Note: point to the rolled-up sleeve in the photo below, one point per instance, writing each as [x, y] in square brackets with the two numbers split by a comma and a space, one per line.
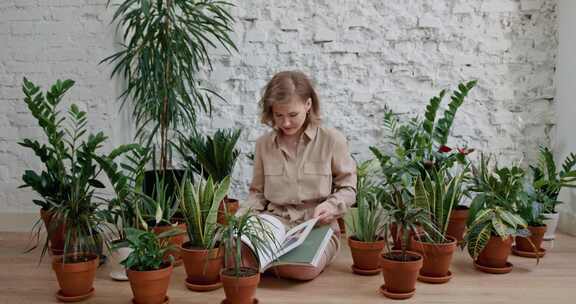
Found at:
[343, 177]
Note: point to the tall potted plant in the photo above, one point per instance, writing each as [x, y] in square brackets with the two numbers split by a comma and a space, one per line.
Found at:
[202, 255]
[69, 157]
[548, 182]
[366, 223]
[213, 156]
[148, 270]
[166, 44]
[438, 196]
[493, 218]
[239, 280]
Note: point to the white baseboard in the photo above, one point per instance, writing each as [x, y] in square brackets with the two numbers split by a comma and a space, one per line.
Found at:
[18, 222]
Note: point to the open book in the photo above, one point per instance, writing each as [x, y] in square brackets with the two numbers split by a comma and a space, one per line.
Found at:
[301, 245]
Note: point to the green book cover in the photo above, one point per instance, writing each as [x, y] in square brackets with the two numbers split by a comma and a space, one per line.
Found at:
[309, 249]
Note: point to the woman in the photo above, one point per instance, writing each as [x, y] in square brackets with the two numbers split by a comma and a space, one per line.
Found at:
[301, 169]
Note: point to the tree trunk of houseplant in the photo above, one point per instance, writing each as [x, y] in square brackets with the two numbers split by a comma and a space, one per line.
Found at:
[366, 256]
[531, 247]
[55, 232]
[552, 223]
[399, 275]
[150, 287]
[242, 289]
[494, 257]
[76, 276]
[457, 223]
[437, 259]
[176, 240]
[203, 267]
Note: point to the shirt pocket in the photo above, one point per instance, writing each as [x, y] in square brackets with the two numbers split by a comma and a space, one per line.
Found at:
[274, 182]
[316, 180]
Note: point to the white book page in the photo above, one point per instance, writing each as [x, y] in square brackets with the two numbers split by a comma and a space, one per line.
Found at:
[296, 236]
[274, 228]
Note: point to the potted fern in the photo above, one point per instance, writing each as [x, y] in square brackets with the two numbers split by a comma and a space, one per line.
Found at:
[166, 45]
[202, 255]
[437, 195]
[148, 270]
[494, 221]
[366, 224]
[548, 182]
[213, 156]
[240, 280]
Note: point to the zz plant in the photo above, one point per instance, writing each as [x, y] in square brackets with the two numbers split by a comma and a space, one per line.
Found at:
[148, 249]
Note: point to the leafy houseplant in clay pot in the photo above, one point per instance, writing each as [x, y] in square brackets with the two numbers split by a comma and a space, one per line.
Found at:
[438, 196]
[213, 156]
[148, 270]
[366, 224]
[240, 280]
[493, 219]
[531, 211]
[126, 179]
[202, 255]
[548, 182]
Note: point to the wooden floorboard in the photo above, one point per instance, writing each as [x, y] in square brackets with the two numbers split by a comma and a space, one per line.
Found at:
[23, 281]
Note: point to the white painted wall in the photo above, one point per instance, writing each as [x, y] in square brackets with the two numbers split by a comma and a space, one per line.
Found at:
[564, 140]
[361, 54]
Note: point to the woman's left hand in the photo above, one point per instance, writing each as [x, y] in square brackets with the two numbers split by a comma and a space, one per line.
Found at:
[325, 213]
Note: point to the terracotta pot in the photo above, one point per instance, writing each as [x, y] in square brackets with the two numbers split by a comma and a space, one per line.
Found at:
[75, 279]
[240, 290]
[202, 266]
[176, 240]
[496, 252]
[457, 223]
[400, 276]
[536, 237]
[366, 255]
[150, 287]
[56, 233]
[232, 205]
[552, 223]
[437, 257]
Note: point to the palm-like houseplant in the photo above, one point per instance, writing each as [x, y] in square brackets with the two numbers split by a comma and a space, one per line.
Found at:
[71, 175]
[548, 182]
[213, 156]
[148, 270]
[167, 43]
[202, 255]
[494, 220]
[366, 223]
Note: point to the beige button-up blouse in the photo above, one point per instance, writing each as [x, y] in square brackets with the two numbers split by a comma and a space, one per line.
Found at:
[291, 186]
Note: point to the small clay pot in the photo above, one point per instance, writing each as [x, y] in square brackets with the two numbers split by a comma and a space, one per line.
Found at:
[202, 267]
[76, 276]
[457, 223]
[536, 237]
[242, 289]
[176, 240]
[232, 205]
[56, 232]
[150, 287]
[496, 252]
[366, 255]
[437, 259]
[400, 276]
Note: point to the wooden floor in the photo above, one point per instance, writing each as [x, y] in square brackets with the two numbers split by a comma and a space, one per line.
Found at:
[23, 281]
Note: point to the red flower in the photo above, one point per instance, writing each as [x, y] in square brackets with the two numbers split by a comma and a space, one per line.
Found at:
[465, 151]
[444, 149]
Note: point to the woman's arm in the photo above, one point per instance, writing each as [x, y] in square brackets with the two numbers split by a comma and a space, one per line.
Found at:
[343, 183]
[256, 199]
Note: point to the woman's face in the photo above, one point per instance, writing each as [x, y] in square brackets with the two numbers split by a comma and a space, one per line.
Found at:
[289, 117]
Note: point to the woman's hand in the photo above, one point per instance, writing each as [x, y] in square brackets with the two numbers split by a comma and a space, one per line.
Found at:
[325, 212]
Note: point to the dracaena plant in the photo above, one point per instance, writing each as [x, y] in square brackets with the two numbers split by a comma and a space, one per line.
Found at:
[148, 249]
[166, 44]
[493, 211]
[68, 182]
[199, 204]
[439, 195]
[157, 209]
[548, 181]
[213, 156]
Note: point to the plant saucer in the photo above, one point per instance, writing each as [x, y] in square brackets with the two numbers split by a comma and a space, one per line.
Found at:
[225, 301]
[202, 287]
[395, 296]
[494, 270]
[529, 254]
[435, 280]
[366, 272]
[166, 300]
[64, 298]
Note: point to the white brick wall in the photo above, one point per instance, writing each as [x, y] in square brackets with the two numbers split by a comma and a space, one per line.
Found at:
[361, 54]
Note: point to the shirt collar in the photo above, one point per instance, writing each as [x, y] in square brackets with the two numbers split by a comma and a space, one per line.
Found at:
[309, 132]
